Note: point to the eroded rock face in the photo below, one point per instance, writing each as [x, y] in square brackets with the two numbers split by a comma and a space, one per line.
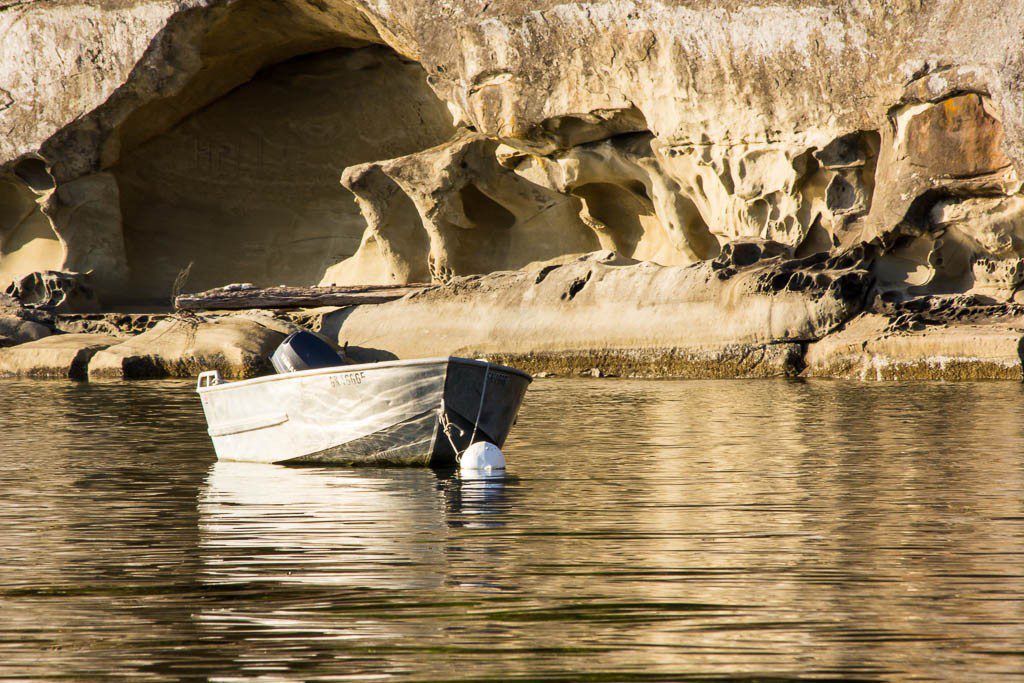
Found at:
[453, 210]
[54, 291]
[478, 137]
[247, 188]
[153, 138]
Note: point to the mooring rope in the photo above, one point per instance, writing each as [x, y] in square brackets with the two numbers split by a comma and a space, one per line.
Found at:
[480, 409]
[447, 425]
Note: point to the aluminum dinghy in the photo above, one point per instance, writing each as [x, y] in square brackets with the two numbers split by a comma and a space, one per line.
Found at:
[414, 412]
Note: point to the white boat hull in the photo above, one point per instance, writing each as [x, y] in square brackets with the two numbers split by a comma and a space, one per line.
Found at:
[380, 413]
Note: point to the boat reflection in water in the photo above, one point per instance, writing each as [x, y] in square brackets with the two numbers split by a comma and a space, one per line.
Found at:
[477, 499]
[371, 528]
[343, 555]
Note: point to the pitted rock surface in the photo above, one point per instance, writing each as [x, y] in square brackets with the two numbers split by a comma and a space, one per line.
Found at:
[160, 144]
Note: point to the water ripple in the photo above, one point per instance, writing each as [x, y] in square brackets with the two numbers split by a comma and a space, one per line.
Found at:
[664, 531]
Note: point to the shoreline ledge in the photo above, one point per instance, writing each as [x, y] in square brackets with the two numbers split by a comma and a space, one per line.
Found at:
[714, 319]
[717, 319]
[868, 349]
[598, 314]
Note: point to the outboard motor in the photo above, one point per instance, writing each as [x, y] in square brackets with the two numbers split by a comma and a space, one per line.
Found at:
[304, 350]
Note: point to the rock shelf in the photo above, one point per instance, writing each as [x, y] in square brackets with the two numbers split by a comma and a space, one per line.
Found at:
[751, 312]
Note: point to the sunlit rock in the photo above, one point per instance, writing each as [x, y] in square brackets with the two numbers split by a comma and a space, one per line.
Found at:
[158, 145]
[61, 356]
[730, 317]
[868, 348]
[238, 347]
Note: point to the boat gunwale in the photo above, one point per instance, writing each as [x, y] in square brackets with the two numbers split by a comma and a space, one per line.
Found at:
[362, 367]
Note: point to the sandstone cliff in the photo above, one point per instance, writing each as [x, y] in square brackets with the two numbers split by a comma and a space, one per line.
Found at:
[363, 141]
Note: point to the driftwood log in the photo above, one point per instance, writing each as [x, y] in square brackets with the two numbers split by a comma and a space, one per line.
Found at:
[237, 298]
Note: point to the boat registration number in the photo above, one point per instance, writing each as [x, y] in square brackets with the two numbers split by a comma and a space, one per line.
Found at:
[347, 379]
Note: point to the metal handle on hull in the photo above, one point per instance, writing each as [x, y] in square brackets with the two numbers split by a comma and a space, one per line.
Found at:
[447, 427]
[211, 378]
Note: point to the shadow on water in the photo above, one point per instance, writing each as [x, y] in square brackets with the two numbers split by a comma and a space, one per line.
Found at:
[645, 531]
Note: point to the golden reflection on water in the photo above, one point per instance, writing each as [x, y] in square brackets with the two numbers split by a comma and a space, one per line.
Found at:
[644, 530]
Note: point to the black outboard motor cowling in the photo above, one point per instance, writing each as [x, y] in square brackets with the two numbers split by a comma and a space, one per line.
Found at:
[304, 350]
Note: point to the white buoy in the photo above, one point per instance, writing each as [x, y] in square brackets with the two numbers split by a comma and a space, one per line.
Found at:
[482, 457]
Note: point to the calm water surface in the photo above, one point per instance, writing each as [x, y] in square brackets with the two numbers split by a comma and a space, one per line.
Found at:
[646, 531]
